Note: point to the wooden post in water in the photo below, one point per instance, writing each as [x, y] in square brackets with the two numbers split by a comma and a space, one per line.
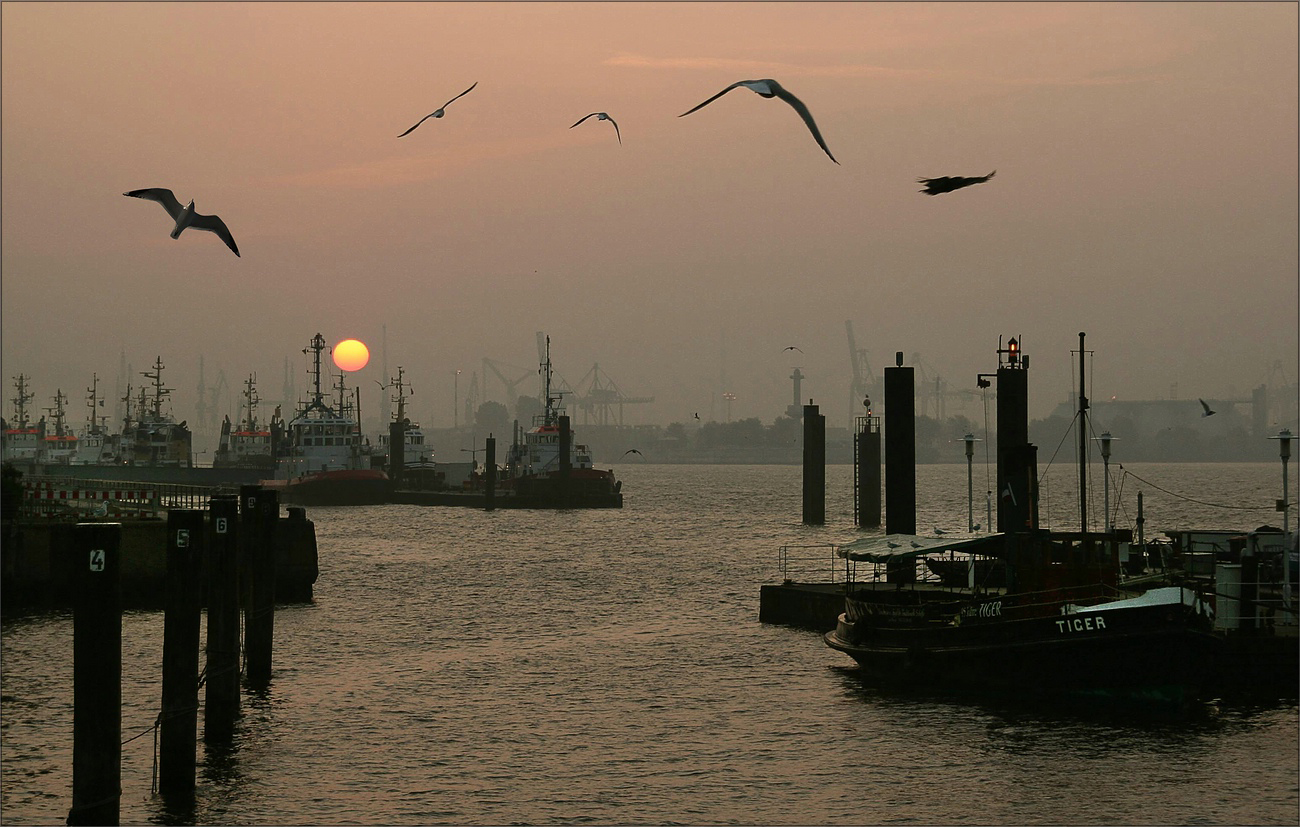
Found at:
[221, 705]
[490, 475]
[866, 443]
[180, 678]
[96, 675]
[900, 449]
[566, 459]
[259, 617]
[814, 466]
[396, 452]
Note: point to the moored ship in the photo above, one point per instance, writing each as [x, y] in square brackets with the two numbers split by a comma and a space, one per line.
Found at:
[323, 460]
[246, 444]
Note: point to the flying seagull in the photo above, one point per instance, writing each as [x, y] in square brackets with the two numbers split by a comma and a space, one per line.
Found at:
[769, 88]
[437, 113]
[186, 216]
[697, 416]
[633, 451]
[791, 347]
[938, 186]
[601, 116]
[1205, 409]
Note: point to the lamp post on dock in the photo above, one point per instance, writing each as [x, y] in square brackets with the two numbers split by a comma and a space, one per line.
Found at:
[1105, 440]
[1284, 505]
[455, 402]
[970, 440]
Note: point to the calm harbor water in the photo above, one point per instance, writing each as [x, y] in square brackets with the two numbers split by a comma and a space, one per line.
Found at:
[608, 667]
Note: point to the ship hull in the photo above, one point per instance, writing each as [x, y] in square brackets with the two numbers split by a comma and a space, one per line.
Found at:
[359, 487]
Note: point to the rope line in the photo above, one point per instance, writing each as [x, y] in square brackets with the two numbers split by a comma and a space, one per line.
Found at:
[1191, 499]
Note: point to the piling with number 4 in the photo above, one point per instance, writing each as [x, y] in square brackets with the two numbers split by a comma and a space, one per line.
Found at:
[96, 675]
[221, 700]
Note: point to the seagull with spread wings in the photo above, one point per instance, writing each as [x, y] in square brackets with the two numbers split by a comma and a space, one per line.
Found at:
[948, 183]
[185, 217]
[769, 88]
[1205, 408]
[602, 116]
[437, 113]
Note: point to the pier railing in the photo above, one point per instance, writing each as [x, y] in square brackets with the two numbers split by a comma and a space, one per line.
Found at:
[813, 564]
[45, 496]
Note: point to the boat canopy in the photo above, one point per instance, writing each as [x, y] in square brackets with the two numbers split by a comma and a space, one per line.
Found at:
[902, 546]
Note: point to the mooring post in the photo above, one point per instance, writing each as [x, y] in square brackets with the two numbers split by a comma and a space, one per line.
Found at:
[180, 679]
[867, 471]
[396, 452]
[900, 449]
[814, 466]
[490, 475]
[248, 498]
[221, 705]
[96, 675]
[259, 618]
[566, 459]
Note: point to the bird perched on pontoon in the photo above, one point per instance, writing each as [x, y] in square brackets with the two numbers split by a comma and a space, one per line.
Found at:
[185, 217]
[768, 88]
[437, 113]
[602, 116]
[948, 183]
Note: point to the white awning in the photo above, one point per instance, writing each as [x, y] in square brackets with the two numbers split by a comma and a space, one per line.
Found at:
[901, 546]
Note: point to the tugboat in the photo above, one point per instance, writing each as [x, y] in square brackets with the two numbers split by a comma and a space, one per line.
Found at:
[156, 439]
[418, 470]
[1060, 624]
[324, 461]
[545, 463]
[22, 437]
[95, 445]
[58, 447]
[248, 444]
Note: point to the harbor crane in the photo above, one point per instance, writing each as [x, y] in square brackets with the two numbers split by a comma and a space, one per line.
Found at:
[599, 397]
[863, 383]
[498, 368]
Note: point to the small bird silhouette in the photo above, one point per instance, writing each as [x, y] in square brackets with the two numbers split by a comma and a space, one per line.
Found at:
[437, 113]
[697, 416]
[768, 88]
[602, 116]
[186, 217]
[1205, 408]
[792, 347]
[915, 544]
[633, 451]
[892, 544]
[938, 530]
[938, 186]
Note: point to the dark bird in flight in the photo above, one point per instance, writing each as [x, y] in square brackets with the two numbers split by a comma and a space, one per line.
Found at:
[633, 451]
[437, 113]
[938, 186]
[769, 88]
[697, 416]
[791, 347]
[1205, 409]
[601, 116]
[186, 216]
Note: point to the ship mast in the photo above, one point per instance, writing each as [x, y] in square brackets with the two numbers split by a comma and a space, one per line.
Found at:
[251, 400]
[158, 390]
[1083, 445]
[20, 401]
[317, 396]
[58, 412]
[401, 395]
[92, 401]
[551, 416]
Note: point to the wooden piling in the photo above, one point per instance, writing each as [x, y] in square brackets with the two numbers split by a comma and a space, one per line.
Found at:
[900, 450]
[221, 701]
[814, 466]
[566, 458]
[490, 475]
[396, 452]
[96, 675]
[182, 615]
[259, 618]
[866, 445]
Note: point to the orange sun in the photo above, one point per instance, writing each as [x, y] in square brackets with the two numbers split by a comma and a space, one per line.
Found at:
[351, 354]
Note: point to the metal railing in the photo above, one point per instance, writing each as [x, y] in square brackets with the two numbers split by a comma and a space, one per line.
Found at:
[47, 496]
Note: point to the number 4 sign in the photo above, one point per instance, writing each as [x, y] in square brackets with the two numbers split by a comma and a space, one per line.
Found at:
[97, 559]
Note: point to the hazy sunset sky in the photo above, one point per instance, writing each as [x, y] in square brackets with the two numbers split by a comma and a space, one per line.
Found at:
[1146, 193]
